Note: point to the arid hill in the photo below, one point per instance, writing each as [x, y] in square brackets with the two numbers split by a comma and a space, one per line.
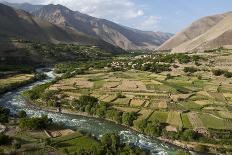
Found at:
[207, 33]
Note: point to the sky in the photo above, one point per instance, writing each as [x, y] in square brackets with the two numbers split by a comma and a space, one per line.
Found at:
[150, 15]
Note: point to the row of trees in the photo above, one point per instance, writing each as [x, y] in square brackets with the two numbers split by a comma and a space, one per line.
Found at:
[110, 144]
[93, 106]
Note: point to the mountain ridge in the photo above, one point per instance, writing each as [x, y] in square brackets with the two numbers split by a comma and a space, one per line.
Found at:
[201, 35]
[117, 35]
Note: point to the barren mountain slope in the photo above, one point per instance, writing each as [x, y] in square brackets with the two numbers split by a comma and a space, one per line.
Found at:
[217, 36]
[108, 31]
[196, 29]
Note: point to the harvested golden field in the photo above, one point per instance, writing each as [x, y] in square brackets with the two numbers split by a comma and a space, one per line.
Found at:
[162, 105]
[174, 118]
[111, 85]
[72, 84]
[122, 101]
[204, 102]
[132, 86]
[15, 79]
[225, 114]
[110, 98]
[195, 120]
[126, 109]
[136, 102]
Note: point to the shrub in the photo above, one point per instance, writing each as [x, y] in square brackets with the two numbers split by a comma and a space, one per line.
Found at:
[190, 69]
[218, 72]
[128, 118]
[4, 115]
[22, 114]
[228, 74]
[4, 140]
[37, 123]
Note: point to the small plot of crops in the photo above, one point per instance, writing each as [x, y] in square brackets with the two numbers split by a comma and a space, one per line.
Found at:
[159, 116]
[74, 143]
[218, 96]
[126, 109]
[203, 102]
[111, 85]
[214, 122]
[158, 104]
[15, 79]
[71, 84]
[160, 88]
[195, 120]
[191, 106]
[158, 77]
[154, 104]
[225, 114]
[215, 108]
[185, 120]
[143, 114]
[131, 86]
[110, 98]
[122, 101]
[162, 105]
[136, 102]
[174, 118]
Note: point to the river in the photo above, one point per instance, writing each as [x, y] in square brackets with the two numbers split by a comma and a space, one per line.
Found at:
[15, 102]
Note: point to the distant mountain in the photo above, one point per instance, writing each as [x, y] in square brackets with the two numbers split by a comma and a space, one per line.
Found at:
[204, 34]
[108, 31]
[23, 6]
[22, 25]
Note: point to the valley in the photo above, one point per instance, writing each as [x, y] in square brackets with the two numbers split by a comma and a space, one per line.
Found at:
[183, 98]
[75, 83]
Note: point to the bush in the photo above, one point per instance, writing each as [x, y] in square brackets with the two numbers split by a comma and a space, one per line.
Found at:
[22, 114]
[189, 135]
[4, 140]
[38, 123]
[128, 118]
[181, 152]
[4, 115]
[228, 74]
[190, 69]
[16, 145]
[218, 72]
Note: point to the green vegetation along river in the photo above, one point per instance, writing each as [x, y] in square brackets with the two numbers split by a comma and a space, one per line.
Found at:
[15, 102]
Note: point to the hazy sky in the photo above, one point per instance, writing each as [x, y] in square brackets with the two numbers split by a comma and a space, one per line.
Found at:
[154, 15]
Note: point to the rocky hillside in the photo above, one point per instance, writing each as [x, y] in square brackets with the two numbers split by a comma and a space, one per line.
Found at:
[108, 31]
[207, 33]
[20, 24]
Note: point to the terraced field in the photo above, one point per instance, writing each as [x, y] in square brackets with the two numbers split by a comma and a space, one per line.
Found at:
[177, 99]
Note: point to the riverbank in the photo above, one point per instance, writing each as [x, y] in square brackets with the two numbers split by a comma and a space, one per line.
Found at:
[179, 144]
[13, 82]
[188, 146]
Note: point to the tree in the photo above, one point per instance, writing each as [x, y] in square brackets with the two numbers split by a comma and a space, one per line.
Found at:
[101, 110]
[4, 140]
[4, 115]
[181, 152]
[22, 114]
[128, 118]
[141, 125]
[152, 130]
[189, 135]
[218, 72]
[190, 69]
[88, 100]
[228, 74]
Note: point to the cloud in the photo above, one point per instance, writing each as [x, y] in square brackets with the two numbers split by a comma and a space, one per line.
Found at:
[149, 23]
[117, 10]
